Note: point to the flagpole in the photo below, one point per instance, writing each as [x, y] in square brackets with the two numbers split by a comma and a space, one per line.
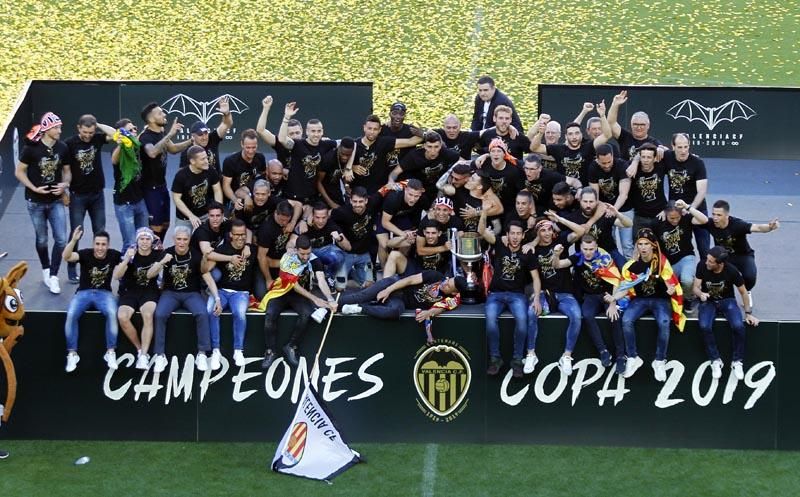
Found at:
[322, 343]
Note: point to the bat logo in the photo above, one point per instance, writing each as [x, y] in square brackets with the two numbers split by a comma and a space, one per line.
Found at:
[185, 105]
[711, 116]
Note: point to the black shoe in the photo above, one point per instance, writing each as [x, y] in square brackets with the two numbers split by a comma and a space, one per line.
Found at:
[605, 358]
[73, 278]
[4, 454]
[269, 358]
[495, 363]
[621, 364]
[290, 354]
[516, 368]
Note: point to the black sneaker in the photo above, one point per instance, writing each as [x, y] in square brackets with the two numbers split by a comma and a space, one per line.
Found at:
[516, 368]
[73, 278]
[4, 454]
[621, 364]
[495, 363]
[605, 358]
[290, 354]
[269, 358]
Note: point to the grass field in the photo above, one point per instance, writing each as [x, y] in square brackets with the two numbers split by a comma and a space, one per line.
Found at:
[217, 469]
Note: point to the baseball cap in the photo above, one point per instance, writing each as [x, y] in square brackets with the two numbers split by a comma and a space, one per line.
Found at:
[199, 128]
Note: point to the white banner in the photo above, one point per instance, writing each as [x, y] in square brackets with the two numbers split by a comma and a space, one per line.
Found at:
[312, 446]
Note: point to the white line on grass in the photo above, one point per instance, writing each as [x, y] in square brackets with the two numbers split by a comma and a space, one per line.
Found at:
[429, 470]
[475, 38]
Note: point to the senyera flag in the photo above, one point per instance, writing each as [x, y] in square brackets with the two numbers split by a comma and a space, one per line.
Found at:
[312, 447]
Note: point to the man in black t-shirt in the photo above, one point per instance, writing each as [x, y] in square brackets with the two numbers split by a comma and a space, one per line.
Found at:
[263, 205]
[129, 206]
[631, 140]
[647, 188]
[88, 180]
[370, 167]
[274, 235]
[539, 182]
[239, 170]
[425, 164]
[507, 290]
[212, 232]
[503, 170]
[182, 270]
[399, 218]
[138, 292]
[327, 241]
[607, 175]
[283, 150]
[357, 220]
[713, 286]
[455, 139]
[335, 171]
[432, 252]
[203, 136]
[600, 226]
[156, 142]
[194, 188]
[396, 128]
[517, 144]
[44, 170]
[297, 270]
[94, 291]
[731, 233]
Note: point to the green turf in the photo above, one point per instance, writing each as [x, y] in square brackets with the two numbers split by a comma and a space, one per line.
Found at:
[45, 468]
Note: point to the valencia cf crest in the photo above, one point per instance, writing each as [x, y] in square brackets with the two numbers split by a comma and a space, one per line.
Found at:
[442, 377]
[296, 445]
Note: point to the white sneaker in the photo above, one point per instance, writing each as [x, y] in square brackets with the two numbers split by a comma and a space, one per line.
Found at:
[54, 286]
[660, 370]
[530, 363]
[351, 309]
[738, 370]
[238, 357]
[46, 277]
[143, 361]
[632, 365]
[201, 361]
[72, 362]
[750, 296]
[716, 369]
[160, 364]
[215, 358]
[565, 365]
[111, 359]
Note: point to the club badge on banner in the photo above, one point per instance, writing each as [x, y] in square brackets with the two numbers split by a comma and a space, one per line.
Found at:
[312, 447]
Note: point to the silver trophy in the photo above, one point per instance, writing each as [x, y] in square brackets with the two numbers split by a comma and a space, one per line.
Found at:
[467, 249]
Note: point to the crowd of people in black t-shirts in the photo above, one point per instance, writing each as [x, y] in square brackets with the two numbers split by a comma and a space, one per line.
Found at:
[608, 221]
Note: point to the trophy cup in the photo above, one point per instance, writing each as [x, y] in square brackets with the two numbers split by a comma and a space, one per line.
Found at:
[467, 249]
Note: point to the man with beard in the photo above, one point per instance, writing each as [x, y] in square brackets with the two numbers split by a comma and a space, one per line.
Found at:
[425, 164]
[239, 170]
[593, 268]
[516, 143]
[539, 182]
[480, 197]
[211, 232]
[506, 177]
[203, 137]
[182, 269]
[264, 204]
[327, 241]
[713, 286]
[129, 206]
[44, 170]
[486, 102]
[507, 290]
[357, 220]
[370, 165]
[193, 188]
[631, 140]
[576, 153]
[276, 178]
[153, 155]
[401, 212]
[455, 139]
[600, 227]
[432, 253]
[86, 187]
[274, 234]
[396, 128]
[594, 126]
[647, 188]
[306, 157]
[688, 182]
[335, 170]
[564, 199]
[294, 133]
[607, 176]
[94, 290]
[453, 182]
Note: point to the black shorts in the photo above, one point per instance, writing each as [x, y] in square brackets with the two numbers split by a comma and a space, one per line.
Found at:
[137, 298]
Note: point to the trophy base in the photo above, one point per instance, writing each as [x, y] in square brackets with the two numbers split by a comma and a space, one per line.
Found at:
[473, 295]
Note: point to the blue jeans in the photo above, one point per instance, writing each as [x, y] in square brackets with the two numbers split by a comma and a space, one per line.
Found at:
[626, 237]
[663, 314]
[702, 238]
[361, 264]
[130, 217]
[42, 213]
[591, 307]
[237, 302]
[332, 258]
[191, 301]
[79, 205]
[706, 313]
[391, 309]
[102, 300]
[517, 303]
[684, 268]
[568, 306]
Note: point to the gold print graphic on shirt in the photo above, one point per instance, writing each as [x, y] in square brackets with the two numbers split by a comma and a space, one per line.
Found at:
[427, 293]
[98, 275]
[715, 290]
[235, 272]
[180, 276]
[591, 280]
[546, 268]
[47, 168]
[368, 160]
[510, 266]
[672, 240]
[245, 177]
[85, 160]
[392, 159]
[280, 241]
[498, 184]
[676, 180]
[199, 194]
[726, 241]
[141, 275]
[648, 186]
[310, 165]
[572, 166]
[548, 162]
[360, 226]
[535, 189]
[647, 287]
[608, 188]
